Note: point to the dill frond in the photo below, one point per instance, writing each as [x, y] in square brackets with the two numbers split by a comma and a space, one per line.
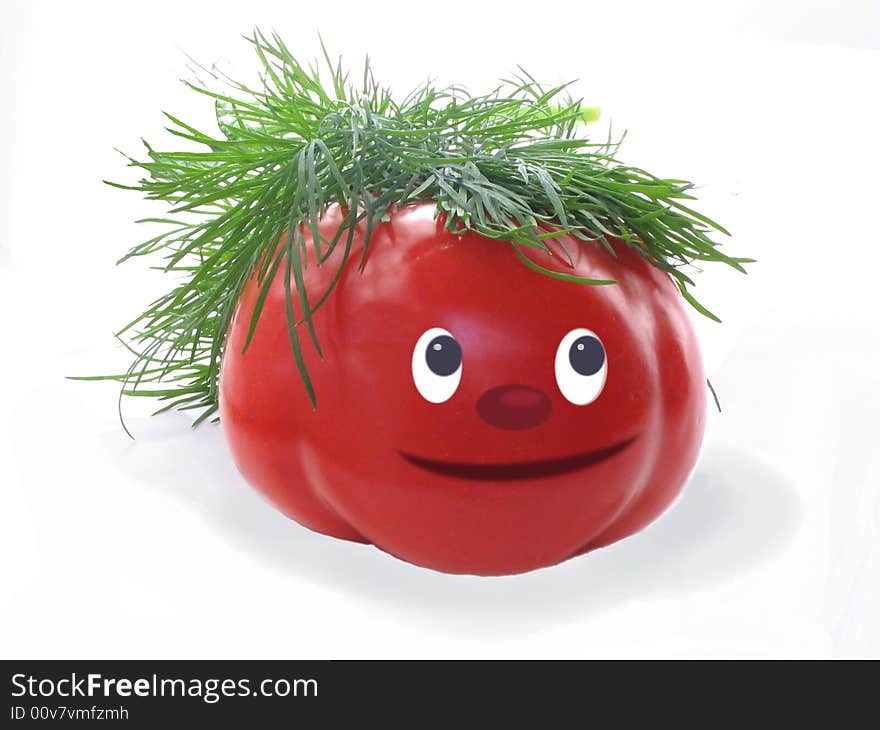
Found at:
[510, 164]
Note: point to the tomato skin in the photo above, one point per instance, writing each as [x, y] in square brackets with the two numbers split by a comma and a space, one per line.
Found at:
[340, 469]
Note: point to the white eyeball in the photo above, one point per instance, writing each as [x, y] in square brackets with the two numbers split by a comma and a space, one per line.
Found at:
[581, 366]
[436, 365]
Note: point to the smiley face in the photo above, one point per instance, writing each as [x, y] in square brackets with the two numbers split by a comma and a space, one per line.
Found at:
[473, 415]
[580, 368]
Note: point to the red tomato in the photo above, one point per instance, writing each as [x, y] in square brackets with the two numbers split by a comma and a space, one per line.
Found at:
[473, 416]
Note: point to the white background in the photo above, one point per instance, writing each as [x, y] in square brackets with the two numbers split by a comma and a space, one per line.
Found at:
[157, 548]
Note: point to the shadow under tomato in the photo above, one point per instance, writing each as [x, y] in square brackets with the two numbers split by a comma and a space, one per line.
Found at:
[734, 513]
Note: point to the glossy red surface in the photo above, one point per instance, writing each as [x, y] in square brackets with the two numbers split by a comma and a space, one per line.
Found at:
[505, 476]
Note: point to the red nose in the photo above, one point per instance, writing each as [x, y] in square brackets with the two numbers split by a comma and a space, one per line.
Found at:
[514, 407]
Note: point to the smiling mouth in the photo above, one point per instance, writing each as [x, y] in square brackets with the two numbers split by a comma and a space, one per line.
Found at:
[510, 471]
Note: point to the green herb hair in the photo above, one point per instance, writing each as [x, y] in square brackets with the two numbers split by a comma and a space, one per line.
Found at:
[510, 164]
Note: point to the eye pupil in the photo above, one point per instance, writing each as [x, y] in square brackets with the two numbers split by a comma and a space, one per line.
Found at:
[443, 355]
[587, 355]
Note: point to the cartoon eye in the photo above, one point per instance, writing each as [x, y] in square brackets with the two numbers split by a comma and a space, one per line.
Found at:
[436, 365]
[581, 367]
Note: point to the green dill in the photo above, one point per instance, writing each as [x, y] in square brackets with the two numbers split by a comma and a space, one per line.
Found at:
[510, 164]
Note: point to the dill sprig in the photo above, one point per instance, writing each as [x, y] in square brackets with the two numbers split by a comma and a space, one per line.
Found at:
[511, 164]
